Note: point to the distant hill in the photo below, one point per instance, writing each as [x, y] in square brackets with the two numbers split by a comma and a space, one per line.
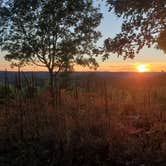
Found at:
[44, 75]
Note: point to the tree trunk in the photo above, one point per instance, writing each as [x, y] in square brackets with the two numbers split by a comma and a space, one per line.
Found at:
[51, 87]
[51, 80]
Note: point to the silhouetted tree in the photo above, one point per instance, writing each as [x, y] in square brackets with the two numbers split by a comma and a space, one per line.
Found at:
[55, 34]
[144, 24]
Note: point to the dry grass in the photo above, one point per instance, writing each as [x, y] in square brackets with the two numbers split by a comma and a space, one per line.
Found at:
[104, 125]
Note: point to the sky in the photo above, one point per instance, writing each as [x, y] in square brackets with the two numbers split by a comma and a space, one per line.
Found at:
[153, 58]
[110, 25]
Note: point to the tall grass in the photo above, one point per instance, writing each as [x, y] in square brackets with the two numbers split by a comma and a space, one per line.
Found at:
[95, 122]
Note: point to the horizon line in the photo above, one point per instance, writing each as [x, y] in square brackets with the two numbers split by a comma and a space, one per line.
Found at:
[162, 71]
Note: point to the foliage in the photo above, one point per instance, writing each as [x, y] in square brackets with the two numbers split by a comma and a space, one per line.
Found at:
[50, 33]
[81, 132]
[6, 93]
[144, 24]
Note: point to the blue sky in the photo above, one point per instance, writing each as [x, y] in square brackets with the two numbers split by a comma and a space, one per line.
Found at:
[110, 26]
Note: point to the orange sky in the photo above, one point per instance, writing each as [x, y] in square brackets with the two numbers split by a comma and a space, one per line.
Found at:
[104, 66]
[154, 59]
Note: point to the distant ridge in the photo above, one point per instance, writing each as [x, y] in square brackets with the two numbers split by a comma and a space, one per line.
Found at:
[44, 75]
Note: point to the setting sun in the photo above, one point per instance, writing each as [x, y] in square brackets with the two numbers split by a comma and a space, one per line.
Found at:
[142, 68]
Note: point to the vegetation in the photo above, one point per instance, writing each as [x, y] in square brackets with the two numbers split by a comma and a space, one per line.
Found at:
[144, 24]
[94, 123]
[52, 34]
[85, 120]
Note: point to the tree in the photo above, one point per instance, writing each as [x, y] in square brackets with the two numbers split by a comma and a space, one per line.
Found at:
[55, 34]
[144, 24]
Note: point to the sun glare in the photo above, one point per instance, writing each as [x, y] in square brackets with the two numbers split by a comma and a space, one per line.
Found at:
[142, 68]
